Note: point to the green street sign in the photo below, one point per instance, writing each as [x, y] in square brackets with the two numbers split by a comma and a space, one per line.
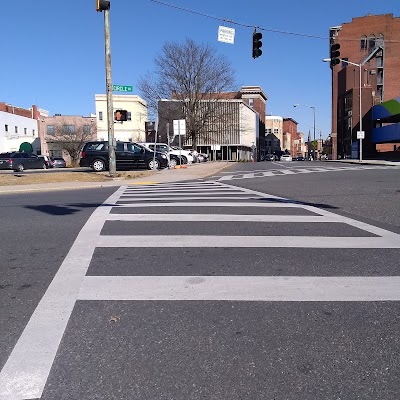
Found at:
[122, 88]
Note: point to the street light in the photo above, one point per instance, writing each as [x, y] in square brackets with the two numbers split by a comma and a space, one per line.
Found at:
[361, 133]
[313, 108]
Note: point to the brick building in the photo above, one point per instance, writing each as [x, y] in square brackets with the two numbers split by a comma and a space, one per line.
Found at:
[372, 43]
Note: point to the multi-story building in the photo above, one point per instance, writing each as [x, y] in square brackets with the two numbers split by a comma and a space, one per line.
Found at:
[273, 134]
[233, 127]
[372, 43]
[64, 135]
[17, 126]
[289, 130]
[131, 130]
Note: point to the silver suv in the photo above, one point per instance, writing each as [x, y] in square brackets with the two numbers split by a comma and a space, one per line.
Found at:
[185, 155]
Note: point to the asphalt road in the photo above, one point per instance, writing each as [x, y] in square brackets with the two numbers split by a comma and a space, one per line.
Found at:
[268, 281]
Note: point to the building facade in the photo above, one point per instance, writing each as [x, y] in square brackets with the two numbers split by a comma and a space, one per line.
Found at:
[18, 125]
[233, 124]
[372, 43]
[64, 135]
[273, 134]
[131, 130]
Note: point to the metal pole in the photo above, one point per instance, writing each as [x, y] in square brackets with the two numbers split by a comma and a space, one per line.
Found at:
[314, 136]
[360, 117]
[109, 89]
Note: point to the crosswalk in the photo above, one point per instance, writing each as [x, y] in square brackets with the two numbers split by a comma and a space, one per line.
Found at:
[181, 215]
[294, 170]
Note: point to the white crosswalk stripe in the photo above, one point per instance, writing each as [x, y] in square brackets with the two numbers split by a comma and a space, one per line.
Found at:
[294, 171]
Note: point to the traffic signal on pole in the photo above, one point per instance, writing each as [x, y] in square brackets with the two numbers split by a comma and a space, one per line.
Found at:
[335, 54]
[102, 5]
[257, 43]
[121, 115]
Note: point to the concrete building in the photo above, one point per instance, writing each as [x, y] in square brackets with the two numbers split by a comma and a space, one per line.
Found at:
[372, 43]
[233, 130]
[18, 125]
[131, 130]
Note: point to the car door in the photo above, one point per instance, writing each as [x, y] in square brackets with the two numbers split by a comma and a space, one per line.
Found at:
[138, 154]
[121, 158]
[35, 161]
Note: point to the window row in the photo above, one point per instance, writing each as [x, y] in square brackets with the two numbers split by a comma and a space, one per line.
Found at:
[66, 129]
[16, 130]
[372, 41]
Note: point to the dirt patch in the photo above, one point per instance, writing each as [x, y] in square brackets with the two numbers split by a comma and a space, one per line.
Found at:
[67, 176]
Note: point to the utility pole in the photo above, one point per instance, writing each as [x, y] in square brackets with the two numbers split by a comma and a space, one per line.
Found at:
[103, 5]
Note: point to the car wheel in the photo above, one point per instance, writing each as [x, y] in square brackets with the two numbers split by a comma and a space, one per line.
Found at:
[184, 160]
[20, 168]
[98, 165]
[153, 164]
[44, 166]
[173, 163]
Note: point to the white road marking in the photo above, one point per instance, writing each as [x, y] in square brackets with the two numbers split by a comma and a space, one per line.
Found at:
[241, 288]
[26, 371]
[313, 242]
[293, 170]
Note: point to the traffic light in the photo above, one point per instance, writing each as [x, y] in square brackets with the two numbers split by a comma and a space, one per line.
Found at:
[257, 43]
[335, 54]
[102, 5]
[121, 115]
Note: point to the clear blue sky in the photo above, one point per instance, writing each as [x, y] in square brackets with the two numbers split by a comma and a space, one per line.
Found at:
[53, 50]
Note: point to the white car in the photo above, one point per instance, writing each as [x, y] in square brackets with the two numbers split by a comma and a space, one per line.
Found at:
[286, 157]
[185, 155]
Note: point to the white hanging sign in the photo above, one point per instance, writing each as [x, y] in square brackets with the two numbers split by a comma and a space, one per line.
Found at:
[226, 35]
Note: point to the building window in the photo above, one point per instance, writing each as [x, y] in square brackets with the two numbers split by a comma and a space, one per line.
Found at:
[50, 129]
[68, 128]
[251, 103]
[33, 132]
[6, 127]
[276, 131]
[25, 131]
[363, 42]
[129, 116]
[100, 115]
[371, 41]
[379, 40]
[16, 129]
[86, 129]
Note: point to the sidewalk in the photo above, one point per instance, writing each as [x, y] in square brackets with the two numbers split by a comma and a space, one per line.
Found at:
[190, 172]
[367, 162]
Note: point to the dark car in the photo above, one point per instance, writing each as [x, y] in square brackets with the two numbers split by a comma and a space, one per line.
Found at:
[128, 155]
[58, 162]
[19, 161]
[300, 158]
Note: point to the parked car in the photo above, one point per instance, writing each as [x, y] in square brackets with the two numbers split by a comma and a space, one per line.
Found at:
[184, 155]
[58, 162]
[269, 157]
[300, 158]
[47, 160]
[128, 155]
[19, 161]
[286, 157]
[202, 157]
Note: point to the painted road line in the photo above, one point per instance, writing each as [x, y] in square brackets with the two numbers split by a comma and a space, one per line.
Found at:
[309, 242]
[222, 204]
[26, 371]
[240, 288]
[219, 218]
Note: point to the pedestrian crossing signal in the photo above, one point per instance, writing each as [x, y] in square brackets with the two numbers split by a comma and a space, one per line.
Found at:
[102, 5]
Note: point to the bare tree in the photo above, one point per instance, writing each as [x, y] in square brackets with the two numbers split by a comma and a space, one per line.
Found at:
[196, 78]
[71, 138]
